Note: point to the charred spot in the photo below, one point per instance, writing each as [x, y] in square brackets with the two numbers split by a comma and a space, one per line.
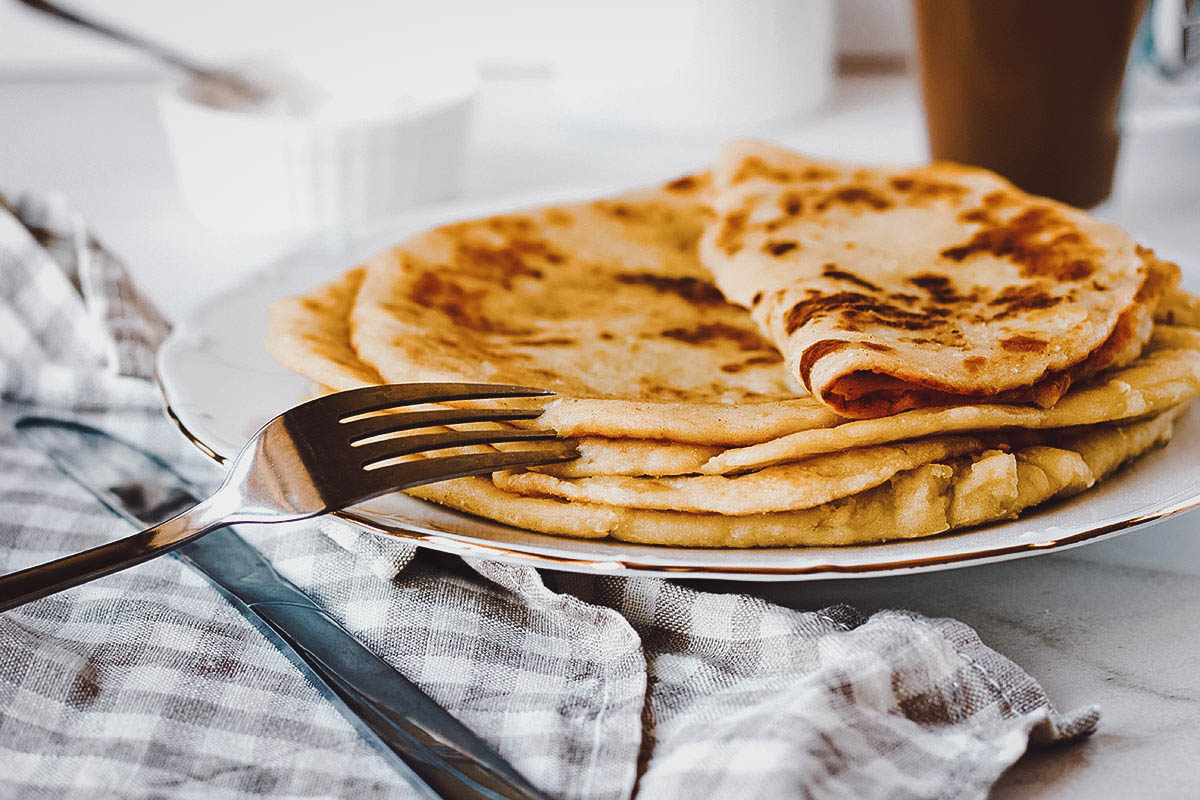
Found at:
[903, 297]
[753, 361]
[877, 347]
[463, 307]
[508, 262]
[691, 289]
[832, 272]
[755, 167]
[510, 225]
[758, 296]
[974, 363]
[779, 248]
[939, 287]
[791, 204]
[976, 215]
[996, 199]
[854, 196]
[1023, 344]
[729, 238]
[856, 307]
[744, 338]
[1013, 300]
[607, 336]
[920, 189]
[1023, 241]
[553, 341]
[817, 174]
[685, 184]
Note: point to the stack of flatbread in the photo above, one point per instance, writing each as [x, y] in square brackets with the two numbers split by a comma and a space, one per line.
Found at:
[781, 351]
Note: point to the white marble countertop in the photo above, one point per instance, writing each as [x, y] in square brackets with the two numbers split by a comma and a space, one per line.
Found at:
[1115, 623]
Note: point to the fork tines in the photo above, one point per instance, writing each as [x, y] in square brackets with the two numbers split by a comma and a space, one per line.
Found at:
[372, 448]
[371, 399]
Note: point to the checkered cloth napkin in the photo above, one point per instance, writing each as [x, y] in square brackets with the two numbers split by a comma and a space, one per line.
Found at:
[147, 684]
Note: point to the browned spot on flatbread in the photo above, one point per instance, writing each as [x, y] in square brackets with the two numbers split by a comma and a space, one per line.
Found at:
[692, 290]
[515, 259]
[559, 218]
[607, 336]
[1014, 300]
[1023, 344]
[622, 211]
[553, 341]
[463, 307]
[758, 296]
[688, 184]
[1037, 243]
[940, 288]
[974, 363]
[998, 199]
[857, 307]
[729, 237]
[791, 204]
[779, 248]
[754, 361]
[918, 189]
[976, 216]
[509, 224]
[754, 167]
[832, 272]
[854, 197]
[744, 338]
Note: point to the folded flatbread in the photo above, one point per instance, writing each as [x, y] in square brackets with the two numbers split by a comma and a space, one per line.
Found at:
[892, 289]
[604, 302]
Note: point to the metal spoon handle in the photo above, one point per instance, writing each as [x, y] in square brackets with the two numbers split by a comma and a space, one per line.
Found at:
[158, 51]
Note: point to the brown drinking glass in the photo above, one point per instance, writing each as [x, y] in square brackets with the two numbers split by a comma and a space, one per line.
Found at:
[1028, 88]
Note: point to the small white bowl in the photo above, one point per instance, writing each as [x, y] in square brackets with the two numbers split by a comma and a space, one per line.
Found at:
[340, 166]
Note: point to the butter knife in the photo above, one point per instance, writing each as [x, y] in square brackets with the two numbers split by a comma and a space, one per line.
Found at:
[437, 754]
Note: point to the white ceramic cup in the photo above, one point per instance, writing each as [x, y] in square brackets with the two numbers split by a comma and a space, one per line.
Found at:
[338, 168]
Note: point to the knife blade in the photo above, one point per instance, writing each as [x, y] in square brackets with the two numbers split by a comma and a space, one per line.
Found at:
[437, 754]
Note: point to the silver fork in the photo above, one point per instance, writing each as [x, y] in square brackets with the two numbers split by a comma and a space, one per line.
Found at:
[318, 457]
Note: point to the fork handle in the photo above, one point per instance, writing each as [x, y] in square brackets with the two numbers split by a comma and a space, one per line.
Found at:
[23, 586]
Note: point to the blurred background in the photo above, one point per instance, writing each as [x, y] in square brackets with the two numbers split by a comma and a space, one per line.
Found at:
[572, 97]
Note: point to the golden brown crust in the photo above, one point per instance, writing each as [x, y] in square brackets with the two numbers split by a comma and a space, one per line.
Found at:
[923, 286]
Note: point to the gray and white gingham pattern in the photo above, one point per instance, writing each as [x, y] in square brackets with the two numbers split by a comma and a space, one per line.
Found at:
[147, 684]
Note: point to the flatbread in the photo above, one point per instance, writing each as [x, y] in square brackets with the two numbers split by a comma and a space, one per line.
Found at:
[1166, 375]
[925, 501]
[893, 289]
[310, 334]
[605, 303]
[811, 482]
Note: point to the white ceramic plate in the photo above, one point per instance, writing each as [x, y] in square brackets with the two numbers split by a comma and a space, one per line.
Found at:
[221, 386]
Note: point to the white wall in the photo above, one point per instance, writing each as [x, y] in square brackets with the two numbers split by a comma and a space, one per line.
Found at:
[516, 32]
